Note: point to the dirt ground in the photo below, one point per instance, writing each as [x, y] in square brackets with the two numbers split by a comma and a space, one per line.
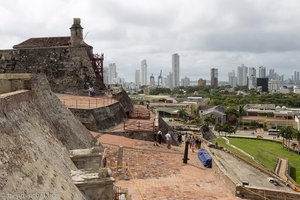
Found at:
[158, 173]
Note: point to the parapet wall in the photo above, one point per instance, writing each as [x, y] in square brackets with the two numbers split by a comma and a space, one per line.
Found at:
[101, 118]
[68, 69]
[14, 82]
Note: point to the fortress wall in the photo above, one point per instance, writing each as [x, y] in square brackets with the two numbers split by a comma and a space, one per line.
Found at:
[68, 69]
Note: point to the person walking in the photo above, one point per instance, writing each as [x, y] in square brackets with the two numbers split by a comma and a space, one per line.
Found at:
[155, 139]
[168, 139]
[159, 134]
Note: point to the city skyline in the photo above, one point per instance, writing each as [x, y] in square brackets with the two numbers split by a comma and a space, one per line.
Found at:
[206, 34]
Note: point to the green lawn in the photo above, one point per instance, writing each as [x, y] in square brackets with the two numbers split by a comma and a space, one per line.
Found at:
[267, 153]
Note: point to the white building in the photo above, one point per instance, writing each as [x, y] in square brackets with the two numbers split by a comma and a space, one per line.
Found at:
[262, 72]
[112, 73]
[175, 70]
[296, 89]
[252, 78]
[137, 77]
[275, 85]
[232, 79]
[106, 75]
[242, 72]
[169, 81]
[185, 81]
[143, 77]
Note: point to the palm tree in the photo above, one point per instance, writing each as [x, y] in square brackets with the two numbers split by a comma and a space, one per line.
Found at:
[182, 112]
[287, 133]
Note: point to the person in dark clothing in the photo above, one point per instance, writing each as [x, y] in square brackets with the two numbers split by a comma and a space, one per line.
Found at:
[159, 134]
[155, 139]
[179, 138]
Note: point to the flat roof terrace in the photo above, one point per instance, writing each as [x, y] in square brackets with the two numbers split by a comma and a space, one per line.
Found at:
[85, 102]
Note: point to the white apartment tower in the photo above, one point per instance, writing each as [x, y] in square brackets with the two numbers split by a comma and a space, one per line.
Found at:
[106, 75]
[185, 81]
[242, 75]
[143, 77]
[137, 77]
[262, 72]
[175, 70]
[252, 78]
[232, 79]
[112, 73]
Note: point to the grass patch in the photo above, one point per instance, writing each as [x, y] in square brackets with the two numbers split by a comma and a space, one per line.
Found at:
[267, 152]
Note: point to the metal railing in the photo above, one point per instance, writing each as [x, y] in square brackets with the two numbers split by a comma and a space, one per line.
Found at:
[139, 126]
[120, 193]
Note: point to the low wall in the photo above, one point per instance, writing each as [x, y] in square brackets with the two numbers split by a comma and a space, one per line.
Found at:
[124, 100]
[146, 136]
[14, 82]
[100, 118]
[256, 193]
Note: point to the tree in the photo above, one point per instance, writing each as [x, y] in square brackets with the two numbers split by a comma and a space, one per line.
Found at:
[182, 112]
[287, 133]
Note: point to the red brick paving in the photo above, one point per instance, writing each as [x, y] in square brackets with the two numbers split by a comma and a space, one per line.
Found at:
[158, 172]
[136, 124]
[85, 102]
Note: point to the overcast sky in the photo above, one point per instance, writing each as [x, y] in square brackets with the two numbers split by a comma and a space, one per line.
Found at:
[205, 33]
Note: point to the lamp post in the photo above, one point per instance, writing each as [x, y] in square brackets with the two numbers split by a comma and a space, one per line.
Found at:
[186, 151]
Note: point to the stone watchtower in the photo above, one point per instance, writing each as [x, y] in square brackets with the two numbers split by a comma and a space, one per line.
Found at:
[76, 33]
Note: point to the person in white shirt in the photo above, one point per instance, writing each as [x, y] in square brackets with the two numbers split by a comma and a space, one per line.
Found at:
[168, 139]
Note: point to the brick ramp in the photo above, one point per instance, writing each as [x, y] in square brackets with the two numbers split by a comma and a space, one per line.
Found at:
[157, 173]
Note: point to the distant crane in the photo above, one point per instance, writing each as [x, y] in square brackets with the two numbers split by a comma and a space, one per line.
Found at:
[159, 79]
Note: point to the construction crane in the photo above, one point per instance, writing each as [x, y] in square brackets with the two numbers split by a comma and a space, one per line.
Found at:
[159, 79]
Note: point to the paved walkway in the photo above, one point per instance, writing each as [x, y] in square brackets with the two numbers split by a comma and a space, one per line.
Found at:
[157, 173]
[241, 171]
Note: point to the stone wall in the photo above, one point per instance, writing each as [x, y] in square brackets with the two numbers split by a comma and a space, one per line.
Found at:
[36, 131]
[125, 100]
[68, 69]
[101, 118]
[256, 193]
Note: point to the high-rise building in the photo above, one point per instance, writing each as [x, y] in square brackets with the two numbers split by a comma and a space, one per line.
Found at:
[252, 78]
[144, 72]
[272, 74]
[106, 75]
[214, 78]
[201, 82]
[112, 73]
[232, 79]
[185, 81]
[169, 81]
[152, 81]
[261, 72]
[137, 77]
[262, 84]
[296, 77]
[175, 69]
[242, 75]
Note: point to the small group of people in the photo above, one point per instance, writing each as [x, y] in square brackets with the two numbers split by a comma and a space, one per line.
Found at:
[158, 137]
[194, 142]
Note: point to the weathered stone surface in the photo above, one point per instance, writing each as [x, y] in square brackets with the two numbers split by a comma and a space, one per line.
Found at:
[35, 132]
